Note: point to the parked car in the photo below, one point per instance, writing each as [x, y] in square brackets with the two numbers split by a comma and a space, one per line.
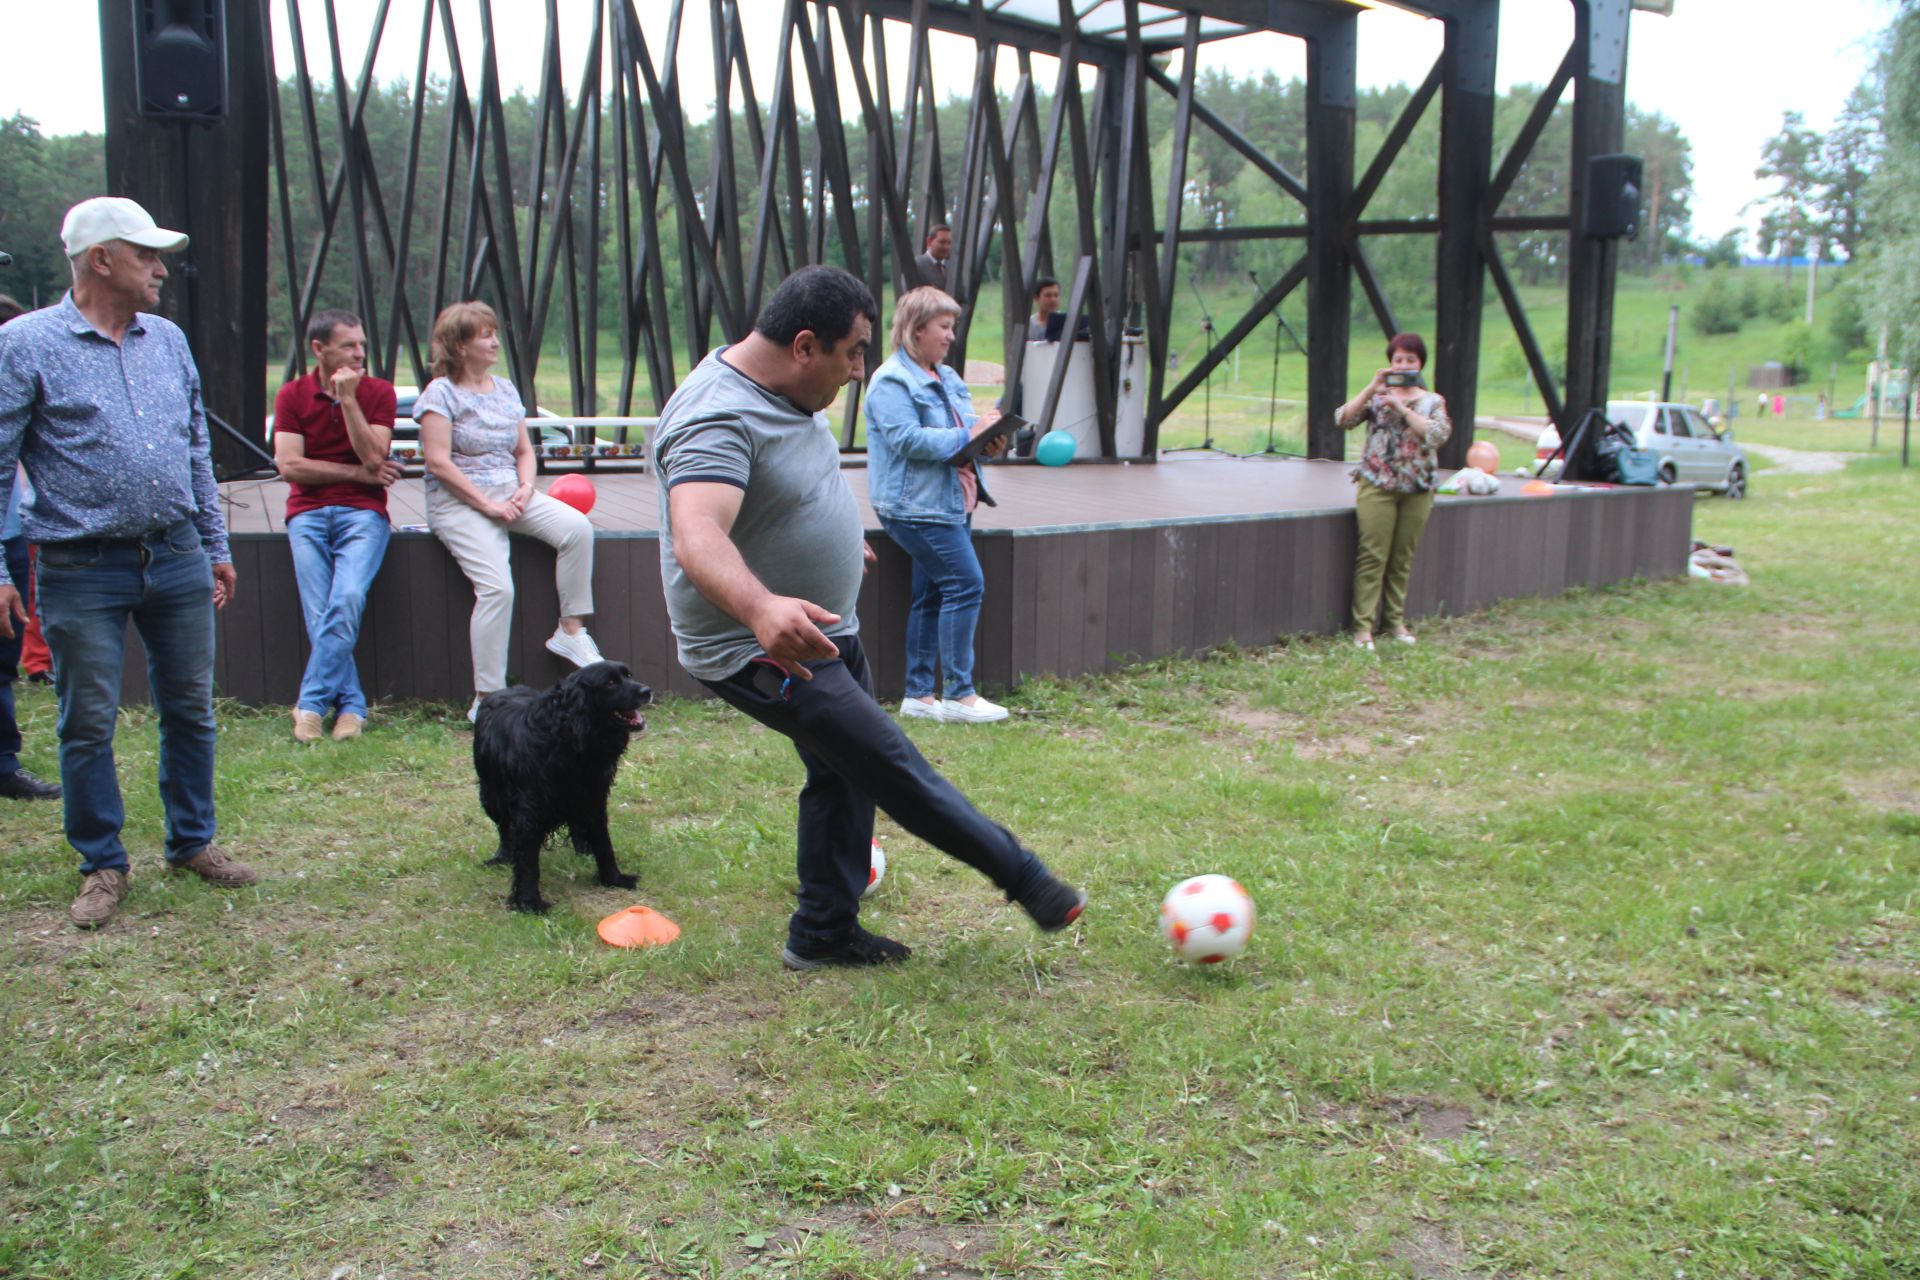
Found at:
[1692, 449]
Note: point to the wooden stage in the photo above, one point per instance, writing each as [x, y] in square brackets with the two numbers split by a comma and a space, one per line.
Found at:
[1088, 567]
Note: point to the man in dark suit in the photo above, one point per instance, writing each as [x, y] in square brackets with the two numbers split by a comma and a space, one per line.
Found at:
[932, 264]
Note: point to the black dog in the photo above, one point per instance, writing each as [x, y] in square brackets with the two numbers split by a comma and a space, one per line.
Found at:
[547, 760]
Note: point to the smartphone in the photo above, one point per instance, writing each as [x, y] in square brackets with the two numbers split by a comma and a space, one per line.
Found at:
[1404, 378]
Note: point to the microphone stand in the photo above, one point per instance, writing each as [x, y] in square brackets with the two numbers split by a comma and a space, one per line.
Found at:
[1206, 325]
[1273, 385]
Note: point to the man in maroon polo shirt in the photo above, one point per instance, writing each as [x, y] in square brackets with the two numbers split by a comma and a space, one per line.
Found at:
[332, 430]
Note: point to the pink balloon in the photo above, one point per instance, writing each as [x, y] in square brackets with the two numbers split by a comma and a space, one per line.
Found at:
[576, 491]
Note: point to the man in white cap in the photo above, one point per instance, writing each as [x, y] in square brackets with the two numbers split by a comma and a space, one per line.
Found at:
[100, 403]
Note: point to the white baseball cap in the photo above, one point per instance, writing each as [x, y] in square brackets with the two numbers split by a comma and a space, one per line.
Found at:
[105, 218]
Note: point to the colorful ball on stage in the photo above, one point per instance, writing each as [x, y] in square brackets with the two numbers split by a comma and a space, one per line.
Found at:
[1207, 919]
[877, 870]
[576, 491]
[1484, 455]
[1056, 449]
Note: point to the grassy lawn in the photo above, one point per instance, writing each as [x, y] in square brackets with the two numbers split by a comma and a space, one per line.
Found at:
[1589, 946]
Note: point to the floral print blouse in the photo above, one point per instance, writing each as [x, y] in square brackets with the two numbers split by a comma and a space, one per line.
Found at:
[1393, 459]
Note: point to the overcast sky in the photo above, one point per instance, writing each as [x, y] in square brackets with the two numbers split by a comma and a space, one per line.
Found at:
[1724, 70]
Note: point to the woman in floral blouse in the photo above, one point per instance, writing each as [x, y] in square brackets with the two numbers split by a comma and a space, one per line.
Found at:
[1393, 485]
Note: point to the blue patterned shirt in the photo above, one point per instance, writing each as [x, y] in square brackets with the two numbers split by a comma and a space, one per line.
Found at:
[112, 435]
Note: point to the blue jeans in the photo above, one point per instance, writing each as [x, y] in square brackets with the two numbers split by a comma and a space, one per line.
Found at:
[88, 591]
[336, 553]
[19, 569]
[947, 590]
[857, 757]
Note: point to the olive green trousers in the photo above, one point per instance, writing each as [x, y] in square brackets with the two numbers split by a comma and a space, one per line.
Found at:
[1390, 527]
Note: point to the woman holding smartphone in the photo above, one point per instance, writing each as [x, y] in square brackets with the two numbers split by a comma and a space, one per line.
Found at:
[919, 417]
[1393, 485]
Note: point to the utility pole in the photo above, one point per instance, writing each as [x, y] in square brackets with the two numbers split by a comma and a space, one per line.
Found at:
[1673, 332]
[1813, 274]
[1875, 383]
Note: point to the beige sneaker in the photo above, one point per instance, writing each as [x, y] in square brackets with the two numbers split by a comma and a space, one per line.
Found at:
[99, 898]
[348, 725]
[215, 867]
[306, 725]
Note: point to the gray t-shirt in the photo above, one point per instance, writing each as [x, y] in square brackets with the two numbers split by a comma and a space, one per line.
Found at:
[486, 427]
[799, 528]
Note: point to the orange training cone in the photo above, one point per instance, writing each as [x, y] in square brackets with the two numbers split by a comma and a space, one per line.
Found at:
[638, 927]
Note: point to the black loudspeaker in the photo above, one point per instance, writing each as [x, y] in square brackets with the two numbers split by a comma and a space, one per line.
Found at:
[1611, 208]
[180, 59]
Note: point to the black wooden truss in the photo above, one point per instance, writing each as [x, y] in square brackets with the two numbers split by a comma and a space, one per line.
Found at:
[817, 182]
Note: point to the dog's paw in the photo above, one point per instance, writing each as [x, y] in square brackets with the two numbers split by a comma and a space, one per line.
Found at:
[532, 906]
[620, 880]
[499, 858]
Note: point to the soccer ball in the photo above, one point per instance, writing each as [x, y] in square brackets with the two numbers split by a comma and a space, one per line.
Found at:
[877, 871]
[1207, 919]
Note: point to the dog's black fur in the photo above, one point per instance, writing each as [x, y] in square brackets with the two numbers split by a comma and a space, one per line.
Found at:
[546, 761]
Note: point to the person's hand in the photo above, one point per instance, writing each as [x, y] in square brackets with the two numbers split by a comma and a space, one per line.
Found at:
[868, 557]
[987, 418]
[345, 382]
[12, 607]
[1379, 382]
[226, 581]
[997, 447]
[788, 629]
[523, 496]
[382, 473]
[505, 511]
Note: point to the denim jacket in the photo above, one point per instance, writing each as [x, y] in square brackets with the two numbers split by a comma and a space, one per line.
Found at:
[911, 440]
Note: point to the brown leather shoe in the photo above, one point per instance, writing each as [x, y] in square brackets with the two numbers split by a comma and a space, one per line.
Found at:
[215, 867]
[99, 898]
[306, 725]
[348, 725]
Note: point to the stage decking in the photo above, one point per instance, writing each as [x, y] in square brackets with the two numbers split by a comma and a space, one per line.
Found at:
[1088, 567]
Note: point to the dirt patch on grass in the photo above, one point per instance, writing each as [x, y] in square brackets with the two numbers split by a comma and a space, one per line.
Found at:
[897, 1232]
[1375, 727]
[1429, 1252]
[1434, 1118]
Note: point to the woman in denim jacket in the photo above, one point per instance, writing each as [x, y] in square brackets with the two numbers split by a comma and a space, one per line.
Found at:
[919, 415]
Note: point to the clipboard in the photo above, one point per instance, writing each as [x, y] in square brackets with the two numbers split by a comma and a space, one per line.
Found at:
[1009, 424]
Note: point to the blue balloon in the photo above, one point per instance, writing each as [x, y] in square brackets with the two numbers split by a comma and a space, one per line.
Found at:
[1056, 449]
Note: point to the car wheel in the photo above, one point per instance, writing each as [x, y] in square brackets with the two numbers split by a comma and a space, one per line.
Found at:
[1736, 482]
[1667, 475]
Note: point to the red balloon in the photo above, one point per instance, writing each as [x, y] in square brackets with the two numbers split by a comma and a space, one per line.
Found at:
[576, 491]
[1484, 455]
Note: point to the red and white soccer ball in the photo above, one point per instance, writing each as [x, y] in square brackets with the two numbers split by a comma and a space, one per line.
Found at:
[1207, 919]
[877, 871]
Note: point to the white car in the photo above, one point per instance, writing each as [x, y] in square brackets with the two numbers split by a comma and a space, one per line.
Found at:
[1692, 450]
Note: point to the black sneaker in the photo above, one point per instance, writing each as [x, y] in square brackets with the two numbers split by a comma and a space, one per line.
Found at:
[22, 785]
[855, 950]
[1053, 904]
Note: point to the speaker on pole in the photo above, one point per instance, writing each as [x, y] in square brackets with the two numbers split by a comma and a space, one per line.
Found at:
[180, 59]
[1611, 207]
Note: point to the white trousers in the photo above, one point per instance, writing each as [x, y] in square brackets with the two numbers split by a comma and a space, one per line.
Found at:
[479, 543]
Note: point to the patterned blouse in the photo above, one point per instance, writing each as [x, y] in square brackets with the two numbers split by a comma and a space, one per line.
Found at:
[486, 426]
[1393, 459]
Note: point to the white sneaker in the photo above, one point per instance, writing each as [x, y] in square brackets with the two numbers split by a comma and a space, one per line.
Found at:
[914, 709]
[1403, 637]
[954, 711]
[578, 648]
[473, 712]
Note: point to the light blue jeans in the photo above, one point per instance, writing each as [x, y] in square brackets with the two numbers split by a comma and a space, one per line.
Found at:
[948, 587]
[87, 593]
[336, 553]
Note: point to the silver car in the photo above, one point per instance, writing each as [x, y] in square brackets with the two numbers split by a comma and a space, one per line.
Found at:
[1692, 451]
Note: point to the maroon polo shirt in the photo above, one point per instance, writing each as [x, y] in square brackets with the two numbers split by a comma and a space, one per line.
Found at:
[303, 408]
